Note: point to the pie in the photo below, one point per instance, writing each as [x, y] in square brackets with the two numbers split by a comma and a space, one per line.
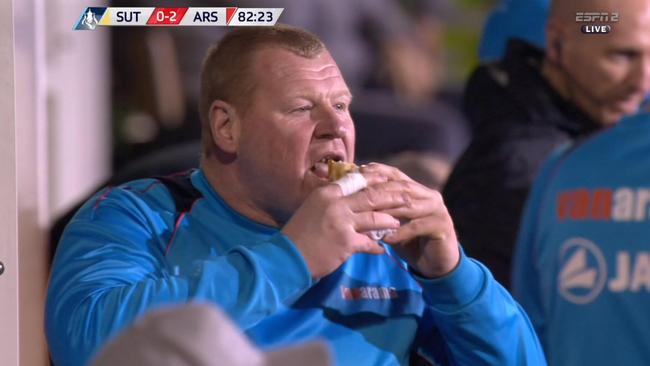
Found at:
[338, 169]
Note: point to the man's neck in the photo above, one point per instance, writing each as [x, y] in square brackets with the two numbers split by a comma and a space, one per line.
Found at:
[571, 90]
[555, 78]
[223, 180]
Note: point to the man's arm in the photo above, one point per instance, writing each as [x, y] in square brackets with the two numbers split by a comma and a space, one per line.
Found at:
[479, 321]
[111, 267]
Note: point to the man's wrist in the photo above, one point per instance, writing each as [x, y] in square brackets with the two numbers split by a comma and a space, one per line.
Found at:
[443, 269]
[457, 288]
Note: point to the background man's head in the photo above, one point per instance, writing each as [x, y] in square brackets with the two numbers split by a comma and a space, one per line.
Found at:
[605, 75]
[226, 71]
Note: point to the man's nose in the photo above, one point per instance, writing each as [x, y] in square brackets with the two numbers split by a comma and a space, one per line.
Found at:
[331, 124]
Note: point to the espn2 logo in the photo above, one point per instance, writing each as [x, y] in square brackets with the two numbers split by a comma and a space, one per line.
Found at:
[593, 17]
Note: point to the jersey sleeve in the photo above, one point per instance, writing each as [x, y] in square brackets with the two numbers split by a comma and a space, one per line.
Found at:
[478, 320]
[110, 268]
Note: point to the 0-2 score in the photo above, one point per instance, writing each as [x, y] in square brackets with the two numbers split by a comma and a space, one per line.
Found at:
[167, 16]
[161, 16]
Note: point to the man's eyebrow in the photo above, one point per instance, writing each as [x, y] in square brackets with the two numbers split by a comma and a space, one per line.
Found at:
[336, 94]
[342, 93]
[628, 51]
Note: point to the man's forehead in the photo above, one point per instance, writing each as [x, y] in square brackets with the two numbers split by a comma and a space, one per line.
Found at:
[632, 10]
[631, 32]
[631, 29]
[637, 21]
[281, 63]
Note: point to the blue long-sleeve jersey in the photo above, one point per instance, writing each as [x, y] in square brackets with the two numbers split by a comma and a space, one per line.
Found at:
[582, 264]
[131, 249]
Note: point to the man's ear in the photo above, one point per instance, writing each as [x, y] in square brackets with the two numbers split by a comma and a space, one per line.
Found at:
[225, 126]
[554, 41]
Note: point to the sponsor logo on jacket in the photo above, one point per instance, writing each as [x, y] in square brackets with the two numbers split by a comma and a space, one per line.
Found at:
[584, 272]
[622, 204]
[368, 293]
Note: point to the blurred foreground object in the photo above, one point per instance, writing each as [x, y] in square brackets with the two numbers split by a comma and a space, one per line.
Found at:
[199, 335]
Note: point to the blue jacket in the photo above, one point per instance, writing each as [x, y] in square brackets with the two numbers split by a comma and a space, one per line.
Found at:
[582, 263]
[137, 247]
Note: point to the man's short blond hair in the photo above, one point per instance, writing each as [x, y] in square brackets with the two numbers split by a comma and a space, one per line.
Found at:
[227, 70]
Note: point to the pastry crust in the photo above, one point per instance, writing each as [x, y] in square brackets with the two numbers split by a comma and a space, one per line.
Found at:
[338, 169]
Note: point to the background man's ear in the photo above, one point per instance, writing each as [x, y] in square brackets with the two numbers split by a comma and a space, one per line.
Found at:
[554, 41]
[225, 126]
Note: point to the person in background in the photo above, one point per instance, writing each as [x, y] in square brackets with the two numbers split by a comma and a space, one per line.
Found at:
[521, 19]
[260, 231]
[378, 44]
[389, 52]
[532, 102]
[582, 262]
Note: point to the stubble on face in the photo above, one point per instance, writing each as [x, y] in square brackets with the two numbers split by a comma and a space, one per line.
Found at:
[608, 75]
[279, 140]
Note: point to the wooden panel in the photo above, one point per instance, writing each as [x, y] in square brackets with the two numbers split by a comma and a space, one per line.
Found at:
[8, 194]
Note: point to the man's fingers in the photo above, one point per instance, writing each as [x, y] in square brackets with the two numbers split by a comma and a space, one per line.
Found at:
[401, 199]
[364, 244]
[413, 210]
[334, 190]
[373, 178]
[413, 189]
[431, 226]
[373, 220]
[419, 201]
[390, 172]
[372, 198]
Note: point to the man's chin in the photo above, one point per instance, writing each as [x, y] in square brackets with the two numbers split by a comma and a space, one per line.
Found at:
[608, 118]
[618, 112]
[630, 105]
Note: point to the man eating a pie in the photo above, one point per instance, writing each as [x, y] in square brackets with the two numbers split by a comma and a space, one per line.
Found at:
[261, 231]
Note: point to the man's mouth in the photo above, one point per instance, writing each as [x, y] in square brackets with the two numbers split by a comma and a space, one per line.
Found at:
[630, 103]
[320, 168]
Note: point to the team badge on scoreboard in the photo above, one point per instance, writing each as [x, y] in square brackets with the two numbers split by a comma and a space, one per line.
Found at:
[90, 18]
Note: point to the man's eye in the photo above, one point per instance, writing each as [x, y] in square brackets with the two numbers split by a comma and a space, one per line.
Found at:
[305, 108]
[341, 106]
[625, 54]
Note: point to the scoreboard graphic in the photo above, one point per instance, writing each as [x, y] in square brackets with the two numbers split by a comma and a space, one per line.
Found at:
[93, 17]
